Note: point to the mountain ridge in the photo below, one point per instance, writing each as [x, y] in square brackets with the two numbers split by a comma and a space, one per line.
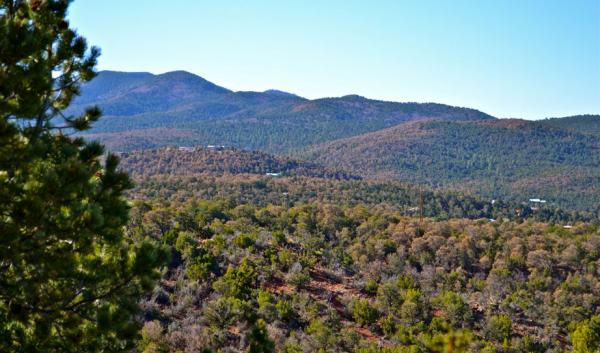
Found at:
[586, 123]
[210, 114]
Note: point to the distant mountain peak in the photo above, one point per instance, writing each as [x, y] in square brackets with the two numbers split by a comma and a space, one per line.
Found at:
[353, 97]
[117, 72]
[276, 92]
[179, 74]
[188, 78]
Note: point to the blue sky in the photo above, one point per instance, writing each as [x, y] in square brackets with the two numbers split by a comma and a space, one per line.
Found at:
[510, 58]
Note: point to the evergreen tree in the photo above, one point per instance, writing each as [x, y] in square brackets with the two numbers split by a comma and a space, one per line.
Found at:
[69, 278]
[259, 339]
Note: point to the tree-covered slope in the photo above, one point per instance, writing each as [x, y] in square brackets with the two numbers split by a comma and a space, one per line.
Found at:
[321, 277]
[204, 113]
[581, 123]
[510, 159]
[170, 174]
[220, 160]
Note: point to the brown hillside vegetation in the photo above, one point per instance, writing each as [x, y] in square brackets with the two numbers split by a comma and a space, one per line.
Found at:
[351, 279]
[187, 161]
[493, 158]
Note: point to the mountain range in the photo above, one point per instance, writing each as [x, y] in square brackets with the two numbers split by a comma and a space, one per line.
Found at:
[142, 110]
[423, 143]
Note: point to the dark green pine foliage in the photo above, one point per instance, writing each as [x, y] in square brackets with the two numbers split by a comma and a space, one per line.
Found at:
[69, 278]
[259, 339]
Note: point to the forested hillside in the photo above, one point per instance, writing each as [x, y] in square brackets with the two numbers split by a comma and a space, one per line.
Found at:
[262, 190]
[582, 123]
[138, 107]
[557, 160]
[189, 161]
[327, 263]
[508, 159]
[171, 174]
[374, 227]
[319, 277]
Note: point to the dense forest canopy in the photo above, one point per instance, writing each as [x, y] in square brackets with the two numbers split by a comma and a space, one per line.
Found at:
[509, 159]
[187, 160]
[589, 124]
[254, 177]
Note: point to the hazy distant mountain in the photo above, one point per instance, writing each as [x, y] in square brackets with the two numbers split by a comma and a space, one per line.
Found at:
[512, 159]
[125, 94]
[110, 84]
[199, 112]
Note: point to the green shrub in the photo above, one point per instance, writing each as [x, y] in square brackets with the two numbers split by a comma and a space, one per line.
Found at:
[499, 327]
[200, 265]
[238, 282]
[363, 312]
[455, 309]
[586, 336]
[244, 241]
[284, 309]
[371, 287]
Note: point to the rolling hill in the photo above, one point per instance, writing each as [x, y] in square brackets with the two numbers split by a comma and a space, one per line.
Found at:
[138, 107]
[509, 159]
[219, 160]
[427, 143]
[173, 174]
[589, 124]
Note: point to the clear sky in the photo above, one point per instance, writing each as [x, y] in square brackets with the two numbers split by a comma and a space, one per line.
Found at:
[510, 58]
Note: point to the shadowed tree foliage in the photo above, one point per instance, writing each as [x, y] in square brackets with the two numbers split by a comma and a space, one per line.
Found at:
[69, 278]
[259, 339]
